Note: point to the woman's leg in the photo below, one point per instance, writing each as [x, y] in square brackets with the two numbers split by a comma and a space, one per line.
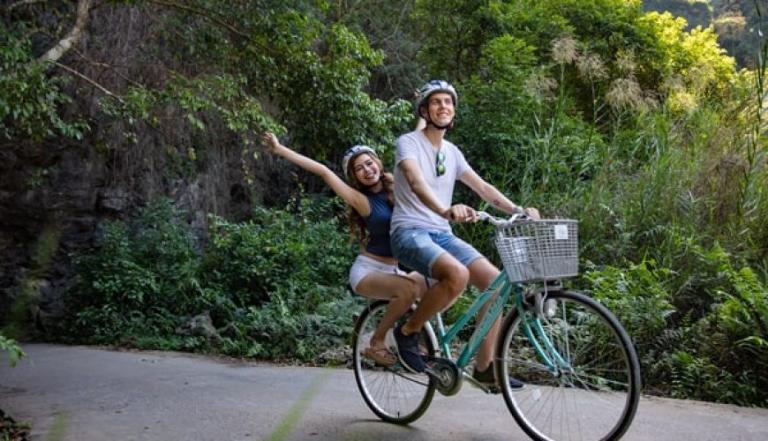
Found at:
[401, 291]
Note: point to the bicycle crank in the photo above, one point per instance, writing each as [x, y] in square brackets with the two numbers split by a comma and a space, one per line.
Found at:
[446, 375]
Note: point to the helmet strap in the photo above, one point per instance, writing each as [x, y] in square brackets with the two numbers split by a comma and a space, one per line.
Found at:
[445, 127]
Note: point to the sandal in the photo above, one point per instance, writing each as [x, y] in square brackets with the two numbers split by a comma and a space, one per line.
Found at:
[380, 355]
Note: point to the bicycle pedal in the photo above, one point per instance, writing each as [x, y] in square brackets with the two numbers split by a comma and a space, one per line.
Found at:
[493, 390]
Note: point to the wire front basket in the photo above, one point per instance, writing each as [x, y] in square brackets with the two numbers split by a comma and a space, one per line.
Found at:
[538, 250]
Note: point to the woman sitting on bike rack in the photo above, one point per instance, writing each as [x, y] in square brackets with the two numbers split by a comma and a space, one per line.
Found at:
[374, 273]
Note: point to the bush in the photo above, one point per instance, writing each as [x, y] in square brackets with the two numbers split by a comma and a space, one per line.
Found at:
[285, 274]
[274, 287]
[277, 254]
[141, 281]
[14, 351]
[699, 329]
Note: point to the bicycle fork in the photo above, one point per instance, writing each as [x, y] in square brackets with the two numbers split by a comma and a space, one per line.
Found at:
[533, 329]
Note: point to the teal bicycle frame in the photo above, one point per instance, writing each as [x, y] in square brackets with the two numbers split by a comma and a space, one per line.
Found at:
[531, 325]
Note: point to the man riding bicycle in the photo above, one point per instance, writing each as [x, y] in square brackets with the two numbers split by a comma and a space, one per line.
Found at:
[426, 169]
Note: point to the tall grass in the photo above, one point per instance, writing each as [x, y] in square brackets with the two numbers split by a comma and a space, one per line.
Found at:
[693, 206]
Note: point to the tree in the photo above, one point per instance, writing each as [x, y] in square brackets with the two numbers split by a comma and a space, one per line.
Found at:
[30, 100]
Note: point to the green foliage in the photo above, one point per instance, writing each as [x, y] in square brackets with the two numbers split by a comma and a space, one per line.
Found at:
[694, 56]
[391, 29]
[12, 430]
[311, 71]
[639, 296]
[517, 129]
[704, 341]
[452, 34]
[30, 101]
[256, 260]
[729, 364]
[223, 96]
[284, 272]
[320, 93]
[273, 287]
[279, 331]
[142, 280]
[736, 23]
[12, 349]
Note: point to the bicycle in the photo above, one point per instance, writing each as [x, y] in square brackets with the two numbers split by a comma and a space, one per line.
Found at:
[572, 354]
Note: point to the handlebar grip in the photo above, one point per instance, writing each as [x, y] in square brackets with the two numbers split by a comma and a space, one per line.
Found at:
[520, 216]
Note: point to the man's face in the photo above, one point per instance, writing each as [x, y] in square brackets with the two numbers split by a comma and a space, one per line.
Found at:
[440, 108]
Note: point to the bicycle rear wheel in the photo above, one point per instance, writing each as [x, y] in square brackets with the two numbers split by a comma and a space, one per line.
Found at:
[392, 393]
[589, 388]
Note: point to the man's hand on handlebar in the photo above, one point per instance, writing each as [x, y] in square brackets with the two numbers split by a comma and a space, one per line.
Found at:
[461, 213]
[532, 213]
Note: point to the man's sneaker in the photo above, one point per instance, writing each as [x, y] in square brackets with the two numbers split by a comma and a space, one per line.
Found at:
[488, 379]
[408, 350]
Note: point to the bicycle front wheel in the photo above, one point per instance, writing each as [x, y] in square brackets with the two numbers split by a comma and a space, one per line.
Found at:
[394, 394]
[579, 367]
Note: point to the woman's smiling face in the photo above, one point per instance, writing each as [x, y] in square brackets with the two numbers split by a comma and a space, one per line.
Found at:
[366, 170]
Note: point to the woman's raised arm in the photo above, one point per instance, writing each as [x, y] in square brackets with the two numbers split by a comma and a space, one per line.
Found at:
[349, 194]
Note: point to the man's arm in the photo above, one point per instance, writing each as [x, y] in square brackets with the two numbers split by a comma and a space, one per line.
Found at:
[414, 177]
[492, 195]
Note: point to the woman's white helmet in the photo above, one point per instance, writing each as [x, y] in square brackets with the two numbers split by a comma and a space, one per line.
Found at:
[430, 87]
[352, 152]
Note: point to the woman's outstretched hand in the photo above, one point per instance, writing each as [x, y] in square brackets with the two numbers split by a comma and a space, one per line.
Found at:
[270, 142]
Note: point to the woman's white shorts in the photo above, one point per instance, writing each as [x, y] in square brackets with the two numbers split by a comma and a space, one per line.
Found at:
[364, 266]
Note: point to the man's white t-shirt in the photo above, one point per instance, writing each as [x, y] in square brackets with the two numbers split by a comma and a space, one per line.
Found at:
[409, 211]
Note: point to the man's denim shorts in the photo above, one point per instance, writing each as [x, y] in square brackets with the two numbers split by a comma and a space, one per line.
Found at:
[418, 249]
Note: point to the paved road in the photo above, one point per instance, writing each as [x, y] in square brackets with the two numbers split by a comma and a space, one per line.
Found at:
[88, 394]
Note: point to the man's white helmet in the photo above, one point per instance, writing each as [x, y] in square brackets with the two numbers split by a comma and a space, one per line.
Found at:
[430, 87]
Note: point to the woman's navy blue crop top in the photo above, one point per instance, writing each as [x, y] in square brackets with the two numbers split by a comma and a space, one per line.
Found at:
[377, 224]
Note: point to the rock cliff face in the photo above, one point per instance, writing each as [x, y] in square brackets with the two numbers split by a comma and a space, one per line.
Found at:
[54, 201]
[45, 195]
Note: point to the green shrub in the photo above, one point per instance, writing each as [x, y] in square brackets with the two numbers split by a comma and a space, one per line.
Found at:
[12, 348]
[141, 281]
[278, 253]
[639, 297]
[285, 274]
[274, 287]
[699, 327]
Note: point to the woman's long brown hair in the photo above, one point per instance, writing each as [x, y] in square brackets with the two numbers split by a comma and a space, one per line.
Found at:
[356, 223]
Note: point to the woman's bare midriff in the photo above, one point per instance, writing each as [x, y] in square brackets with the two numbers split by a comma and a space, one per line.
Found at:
[382, 259]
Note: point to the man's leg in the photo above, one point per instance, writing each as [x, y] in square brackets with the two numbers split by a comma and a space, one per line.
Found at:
[418, 249]
[452, 278]
[481, 274]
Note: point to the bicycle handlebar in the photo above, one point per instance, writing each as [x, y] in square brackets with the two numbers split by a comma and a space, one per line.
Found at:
[497, 221]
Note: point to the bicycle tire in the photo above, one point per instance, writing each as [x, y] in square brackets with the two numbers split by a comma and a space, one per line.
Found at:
[594, 396]
[394, 394]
